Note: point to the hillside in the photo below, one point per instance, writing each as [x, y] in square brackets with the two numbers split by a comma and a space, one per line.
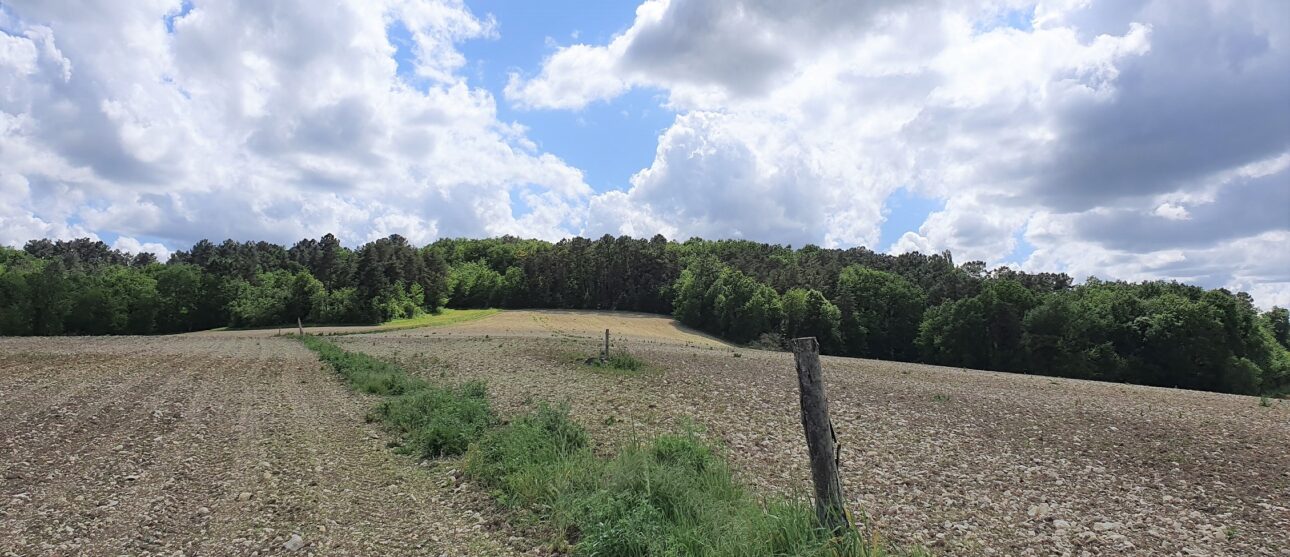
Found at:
[149, 445]
[965, 460]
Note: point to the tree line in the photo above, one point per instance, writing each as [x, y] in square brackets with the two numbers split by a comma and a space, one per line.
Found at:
[909, 307]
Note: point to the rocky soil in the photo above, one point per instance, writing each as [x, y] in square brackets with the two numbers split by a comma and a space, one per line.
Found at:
[228, 444]
[964, 462]
[210, 446]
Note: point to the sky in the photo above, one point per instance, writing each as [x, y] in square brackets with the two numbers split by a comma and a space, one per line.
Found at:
[1123, 139]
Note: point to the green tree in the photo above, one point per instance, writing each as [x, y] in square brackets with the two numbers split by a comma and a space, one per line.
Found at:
[511, 289]
[50, 301]
[474, 285]
[1181, 344]
[808, 313]
[690, 291]
[1005, 303]
[762, 313]
[341, 305]
[1277, 321]
[954, 333]
[399, 302]
[263, 301]
[984, 331]
[179, 297]
[15, 294]
[135, 294]
[302, 292]
[881, 313]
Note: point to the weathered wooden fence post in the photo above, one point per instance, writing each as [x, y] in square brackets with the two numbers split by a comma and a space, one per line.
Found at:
[300, 326]
[604, 355]
[821, 442]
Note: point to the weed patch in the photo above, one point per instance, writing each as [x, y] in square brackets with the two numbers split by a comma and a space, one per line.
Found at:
[437, 421]
[672, 495]
[363, 372]
[433, 421]
[620, 361]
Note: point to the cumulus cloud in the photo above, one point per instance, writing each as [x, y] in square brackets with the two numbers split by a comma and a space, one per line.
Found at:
[702, 50]
[176, 121]
[133, 246]
[714, 171]
[1122, 139]
[1107, 136]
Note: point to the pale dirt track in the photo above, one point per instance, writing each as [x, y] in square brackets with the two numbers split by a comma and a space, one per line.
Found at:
[141, 446]
[966, 462]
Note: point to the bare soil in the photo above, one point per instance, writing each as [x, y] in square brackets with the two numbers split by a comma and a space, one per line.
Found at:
[964, 462]
[228, 444]
[209, 446]
[285, 330]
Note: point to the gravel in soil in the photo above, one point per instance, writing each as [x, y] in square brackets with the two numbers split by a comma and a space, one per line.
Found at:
[213, 445]
[964, 462]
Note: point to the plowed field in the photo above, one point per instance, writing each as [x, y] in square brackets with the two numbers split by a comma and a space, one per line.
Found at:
[230, 445]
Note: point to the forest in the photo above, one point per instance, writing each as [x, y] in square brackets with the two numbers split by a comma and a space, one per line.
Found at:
[910, 307]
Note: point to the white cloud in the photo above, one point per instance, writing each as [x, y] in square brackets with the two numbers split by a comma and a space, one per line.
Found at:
[133, 246]
[1172, 211]
[577, 76]
[271, 121]
[1117, 113]
[972, 229]
[1122, 139]
[714, 170]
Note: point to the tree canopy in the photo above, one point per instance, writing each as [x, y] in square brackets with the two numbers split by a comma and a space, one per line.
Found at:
[911, 307]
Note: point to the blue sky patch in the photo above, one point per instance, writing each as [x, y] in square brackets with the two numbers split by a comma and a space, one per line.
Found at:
[170, 18]
[905, 212]
[609, 141]
[1019, 19]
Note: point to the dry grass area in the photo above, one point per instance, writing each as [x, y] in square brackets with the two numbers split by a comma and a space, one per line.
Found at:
[576, 324]
[223, 444]
[446, 317]
[965, 462]
[209, 446]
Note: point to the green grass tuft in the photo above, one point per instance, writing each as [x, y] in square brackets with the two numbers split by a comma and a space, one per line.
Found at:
[436, 421]
[620, 360]
[363, 372]
[443, 318]
[671, 496]
[433, 421]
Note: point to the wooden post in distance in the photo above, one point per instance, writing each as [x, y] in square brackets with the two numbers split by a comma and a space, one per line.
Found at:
[300, 326]
[821, 441]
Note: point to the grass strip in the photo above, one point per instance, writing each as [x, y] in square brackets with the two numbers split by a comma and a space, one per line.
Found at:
[443, 318]
[431, 420]
[670, 496]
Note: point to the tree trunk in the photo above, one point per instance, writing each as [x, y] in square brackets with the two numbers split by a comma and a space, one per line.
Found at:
[821, 441]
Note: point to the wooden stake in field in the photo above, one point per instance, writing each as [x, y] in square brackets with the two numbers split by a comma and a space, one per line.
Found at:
[604, 355]
[821, 441]
[300, 326]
